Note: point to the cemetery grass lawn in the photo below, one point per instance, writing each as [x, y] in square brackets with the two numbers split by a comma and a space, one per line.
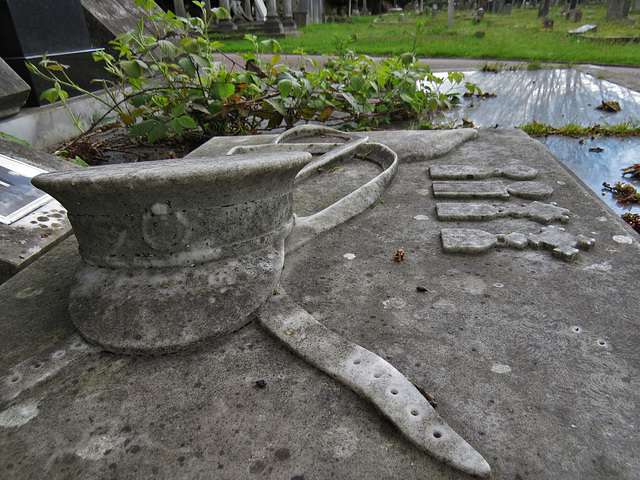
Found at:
[517, 37]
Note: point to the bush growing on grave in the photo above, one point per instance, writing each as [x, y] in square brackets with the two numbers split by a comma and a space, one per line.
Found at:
[171, 83]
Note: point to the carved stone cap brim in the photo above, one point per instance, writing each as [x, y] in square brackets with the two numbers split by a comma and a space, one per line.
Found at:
[221, 180]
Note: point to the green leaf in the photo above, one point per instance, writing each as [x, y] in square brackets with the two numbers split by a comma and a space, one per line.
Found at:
[190, 45]
[141, 99]
[168, 48]
[285, 87]
[142, 128]
[406, 97]
[158, 132]
[188, 66]
[132, 68]
[356, 82]
[220, 91]
[407, 59]
[199, 108]
[78, 161]
[14, 139]
[278, 105]
[275, 120]
[200, 61]
[352, 101]
[271, 44]
[215, 107]
[187, 122]
[50, 95]
[178, 110]
[177, 127]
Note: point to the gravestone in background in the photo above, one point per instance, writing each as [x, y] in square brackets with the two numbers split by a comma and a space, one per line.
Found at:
[13, 91]
[313, 8]
[107, 20]
[31, 28]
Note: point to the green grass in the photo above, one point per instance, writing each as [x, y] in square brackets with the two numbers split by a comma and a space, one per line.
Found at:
[625, 129]
[518, 37]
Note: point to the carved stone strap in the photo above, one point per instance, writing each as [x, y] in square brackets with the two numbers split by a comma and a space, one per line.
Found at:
[373, 378]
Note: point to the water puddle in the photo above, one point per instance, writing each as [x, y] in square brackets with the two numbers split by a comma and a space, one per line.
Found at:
[557, 98]
[595, 167]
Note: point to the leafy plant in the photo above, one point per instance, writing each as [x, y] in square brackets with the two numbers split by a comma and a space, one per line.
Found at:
[623, 129]
[632, 219]
[172, 82]
[623, 192]
[633, 170]
[14, 139]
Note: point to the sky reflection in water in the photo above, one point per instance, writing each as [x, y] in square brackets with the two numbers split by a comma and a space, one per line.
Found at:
[559, 97]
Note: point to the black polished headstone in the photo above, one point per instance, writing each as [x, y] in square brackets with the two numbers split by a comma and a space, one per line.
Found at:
[31, 28]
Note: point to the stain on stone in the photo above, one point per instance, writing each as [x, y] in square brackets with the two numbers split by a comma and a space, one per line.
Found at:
[282, 454]
[257, 467]
[68, 459]
[134, 449]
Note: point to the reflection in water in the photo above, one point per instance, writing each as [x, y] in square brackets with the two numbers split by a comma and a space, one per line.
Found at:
[555, 97]
[594, 168]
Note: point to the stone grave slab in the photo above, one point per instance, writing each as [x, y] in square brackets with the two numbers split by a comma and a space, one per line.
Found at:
[31, 222]
[528, 356]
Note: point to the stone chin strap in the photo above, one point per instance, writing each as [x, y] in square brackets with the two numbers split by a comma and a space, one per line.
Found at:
[373, 378]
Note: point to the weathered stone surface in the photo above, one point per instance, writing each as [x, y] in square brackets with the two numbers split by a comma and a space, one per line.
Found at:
[536, 211]
[472, 240]
[491, 189]
[372, 377]
[528, 357]
[480, 172]
[107, 20]
[583, 29]
[415, 146]
[561, 243]
[530, 190]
